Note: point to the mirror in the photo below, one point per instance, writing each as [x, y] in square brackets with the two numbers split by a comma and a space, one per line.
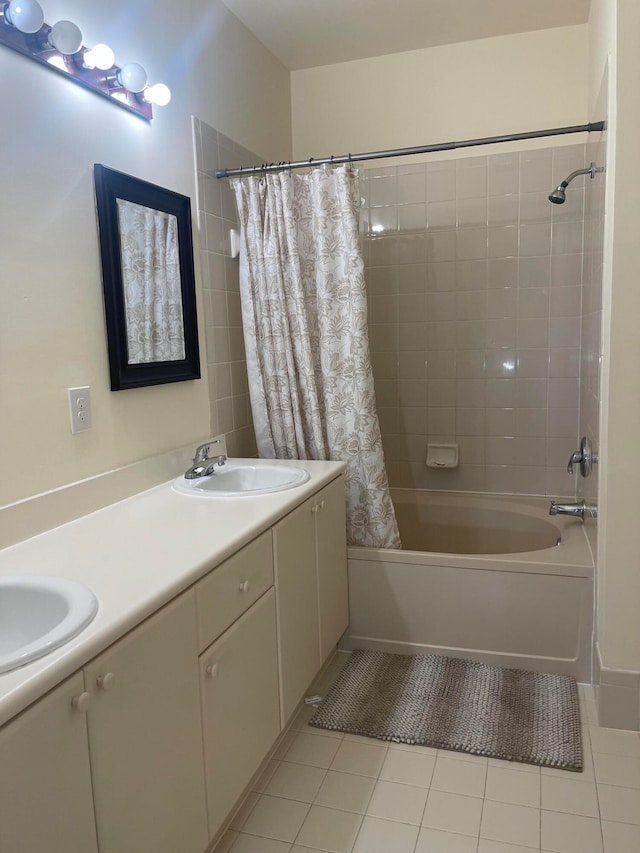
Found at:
[148, 281]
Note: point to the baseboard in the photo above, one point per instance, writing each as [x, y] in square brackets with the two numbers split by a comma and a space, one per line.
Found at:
[617, 696]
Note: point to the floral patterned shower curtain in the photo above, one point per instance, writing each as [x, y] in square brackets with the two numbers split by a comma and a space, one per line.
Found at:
[304, 313]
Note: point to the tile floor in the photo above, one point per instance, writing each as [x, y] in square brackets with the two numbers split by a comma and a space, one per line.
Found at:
[324, 791]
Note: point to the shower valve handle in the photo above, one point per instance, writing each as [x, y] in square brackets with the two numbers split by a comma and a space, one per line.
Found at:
[584, 457]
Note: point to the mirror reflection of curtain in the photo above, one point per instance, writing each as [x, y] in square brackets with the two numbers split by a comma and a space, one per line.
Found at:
[304, 310]
[151, 282]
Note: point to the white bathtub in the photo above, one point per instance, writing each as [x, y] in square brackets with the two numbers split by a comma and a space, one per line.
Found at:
[508, 584]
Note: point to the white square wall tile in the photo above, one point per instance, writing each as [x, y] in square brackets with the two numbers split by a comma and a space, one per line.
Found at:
[510, 823]
[329, 829]
[393, 801]
[383, 836]
[453, 813]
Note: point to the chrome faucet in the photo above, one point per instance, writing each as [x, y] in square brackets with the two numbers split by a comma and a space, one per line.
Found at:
[203, 463]
[581, 509]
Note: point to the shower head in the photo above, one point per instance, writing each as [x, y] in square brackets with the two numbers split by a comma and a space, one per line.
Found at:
[558, 196]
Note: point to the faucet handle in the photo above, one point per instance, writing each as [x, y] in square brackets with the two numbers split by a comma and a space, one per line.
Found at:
[585, 457]
[576, 459]
[202, 452]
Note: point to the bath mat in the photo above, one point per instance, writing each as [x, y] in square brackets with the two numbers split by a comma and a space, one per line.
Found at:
[456, 704]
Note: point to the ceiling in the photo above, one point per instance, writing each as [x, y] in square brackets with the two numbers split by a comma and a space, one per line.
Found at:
[306, 33]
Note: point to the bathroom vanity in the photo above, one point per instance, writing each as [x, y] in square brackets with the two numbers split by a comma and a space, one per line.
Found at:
[159, 715]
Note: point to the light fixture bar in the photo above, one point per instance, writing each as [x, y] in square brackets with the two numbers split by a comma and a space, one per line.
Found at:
[70, 66]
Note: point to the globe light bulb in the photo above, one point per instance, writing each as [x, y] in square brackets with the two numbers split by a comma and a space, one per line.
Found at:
[101, 56]
[25, 15]
[133, 77]
[158, 94]
[65, 37]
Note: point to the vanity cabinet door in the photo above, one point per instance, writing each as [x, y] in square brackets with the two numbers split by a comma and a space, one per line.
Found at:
[331, 543]
[45, 783]
[145, 737]
[294, 541]
[240, 706]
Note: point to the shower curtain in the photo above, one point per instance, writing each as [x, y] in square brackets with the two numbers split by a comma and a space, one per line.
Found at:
[304, 314]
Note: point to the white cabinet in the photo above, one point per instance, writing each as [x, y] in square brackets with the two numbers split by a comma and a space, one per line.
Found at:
[240, 705]
[45, 784]
[331, 544]
[145, 737]
[310, 560]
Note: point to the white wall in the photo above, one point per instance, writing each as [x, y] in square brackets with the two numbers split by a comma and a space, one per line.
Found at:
[480, 88]
[52, 131]
[619, 549]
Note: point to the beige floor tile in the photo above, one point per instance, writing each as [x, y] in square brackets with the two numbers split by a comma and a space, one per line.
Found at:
[301, 720]
[620, 837]
[297, 848]
[459, 777]
[370, 741]
[435, 841]
[569, 796]
[296, 782]
[617, 770]
[392, 801]
[224, 845]
[615, 741]
[265, 776]
[619, 804]
[514, 765]
[359, 758]
[284, 745]
[463, 756]
[414, 747]
[345, 791]
[329, 829]
[510, 786]
[570, 833]
[244, 811]
[587, 774]
[385, 836]
[409, 768]
[253, 844]
[275, 817]
[487, 846]
[510, 823]
[313, 750]
[453, 813]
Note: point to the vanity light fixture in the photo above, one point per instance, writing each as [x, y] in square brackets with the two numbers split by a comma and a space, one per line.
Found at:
[23, 29]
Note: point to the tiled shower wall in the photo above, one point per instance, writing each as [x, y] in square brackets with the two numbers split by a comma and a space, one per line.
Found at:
[475, 288]
[226, 357]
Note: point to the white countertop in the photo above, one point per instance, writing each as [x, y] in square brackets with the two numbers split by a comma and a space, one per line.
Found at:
[135, 556]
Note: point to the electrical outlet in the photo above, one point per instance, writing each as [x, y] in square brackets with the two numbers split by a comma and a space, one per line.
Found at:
[80, 408]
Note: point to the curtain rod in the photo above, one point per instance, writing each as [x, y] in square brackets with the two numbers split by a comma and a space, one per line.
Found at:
[403, 152]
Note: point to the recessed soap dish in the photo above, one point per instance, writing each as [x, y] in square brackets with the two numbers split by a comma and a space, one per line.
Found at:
[442, 455]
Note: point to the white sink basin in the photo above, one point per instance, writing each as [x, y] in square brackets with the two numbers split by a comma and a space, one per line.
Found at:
[39, 614]
[243, 478]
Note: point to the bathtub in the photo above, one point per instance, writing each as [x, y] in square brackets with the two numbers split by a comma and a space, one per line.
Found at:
[493, 578]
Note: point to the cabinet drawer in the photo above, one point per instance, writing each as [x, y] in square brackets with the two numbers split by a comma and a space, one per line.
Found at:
[232, 588]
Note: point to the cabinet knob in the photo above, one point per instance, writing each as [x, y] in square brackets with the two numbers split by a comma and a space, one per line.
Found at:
[105, 682]
[315, 508]
[81, 702]
[321, 504]
[212, 670]
[244, 586]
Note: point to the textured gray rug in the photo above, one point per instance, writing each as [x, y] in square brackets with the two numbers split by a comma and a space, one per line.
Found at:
[456, 704]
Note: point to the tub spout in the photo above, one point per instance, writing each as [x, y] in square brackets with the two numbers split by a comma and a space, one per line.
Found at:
[579, 510]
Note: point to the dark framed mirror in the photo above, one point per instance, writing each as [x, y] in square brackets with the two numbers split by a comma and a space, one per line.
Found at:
[146, 249]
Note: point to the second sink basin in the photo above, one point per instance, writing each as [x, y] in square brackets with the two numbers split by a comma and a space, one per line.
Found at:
[244, 477]
[39, 614]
